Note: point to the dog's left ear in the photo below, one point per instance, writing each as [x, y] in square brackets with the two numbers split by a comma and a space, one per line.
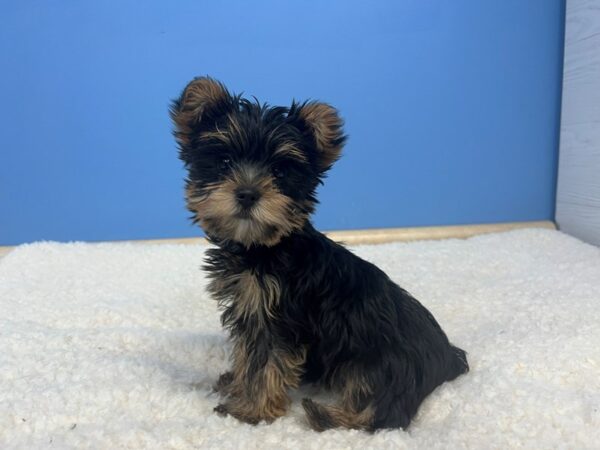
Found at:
[325, 125]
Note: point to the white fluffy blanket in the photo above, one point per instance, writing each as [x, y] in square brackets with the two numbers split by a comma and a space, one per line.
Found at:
[117, 345]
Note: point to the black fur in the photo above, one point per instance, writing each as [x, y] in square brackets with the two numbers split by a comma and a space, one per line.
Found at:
[363, 335]
[347, 311]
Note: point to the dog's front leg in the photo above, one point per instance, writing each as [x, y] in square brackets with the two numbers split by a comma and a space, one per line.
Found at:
[262, 373]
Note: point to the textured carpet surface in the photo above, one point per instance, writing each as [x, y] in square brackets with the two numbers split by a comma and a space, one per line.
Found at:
[117, 345]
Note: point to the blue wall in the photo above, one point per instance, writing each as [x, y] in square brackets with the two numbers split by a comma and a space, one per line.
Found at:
[452, 107]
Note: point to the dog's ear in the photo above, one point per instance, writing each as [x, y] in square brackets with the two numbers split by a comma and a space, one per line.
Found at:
[325, 125]
[201, 103]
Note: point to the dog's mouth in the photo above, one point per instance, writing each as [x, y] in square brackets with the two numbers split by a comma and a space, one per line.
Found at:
[248, 230]
[265, 222]
[244, 214]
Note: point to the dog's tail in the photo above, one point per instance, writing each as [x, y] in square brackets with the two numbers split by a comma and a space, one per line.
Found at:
[321, 417]
[458, 364]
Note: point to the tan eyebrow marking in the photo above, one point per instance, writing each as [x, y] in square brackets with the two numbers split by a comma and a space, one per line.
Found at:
[218, 135]
[288, 149]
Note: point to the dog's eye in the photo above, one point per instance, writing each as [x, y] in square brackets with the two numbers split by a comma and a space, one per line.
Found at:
[279, 172]
[225, 163]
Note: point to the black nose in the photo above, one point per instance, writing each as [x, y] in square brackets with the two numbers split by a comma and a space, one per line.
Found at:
[247, 196]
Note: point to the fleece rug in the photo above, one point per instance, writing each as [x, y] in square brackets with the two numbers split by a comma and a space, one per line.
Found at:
[110, 346]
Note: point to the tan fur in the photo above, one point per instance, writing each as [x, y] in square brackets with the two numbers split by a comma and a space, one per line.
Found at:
[240, 366]
[289, 149]
[326, 125]
[263, 395]
[215, 201]
[351, 411]
[355, 387]
[217, 135]
[342, 417]
[252, 296]
[271, 219]
[198, 95]
[229, 136]
[235, 130]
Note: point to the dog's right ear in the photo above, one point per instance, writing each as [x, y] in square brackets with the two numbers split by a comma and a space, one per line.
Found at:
[201, 103]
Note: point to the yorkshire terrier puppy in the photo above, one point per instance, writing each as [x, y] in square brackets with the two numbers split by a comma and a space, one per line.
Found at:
[298, 306]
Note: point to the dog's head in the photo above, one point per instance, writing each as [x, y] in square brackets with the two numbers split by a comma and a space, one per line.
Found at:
[252, 168]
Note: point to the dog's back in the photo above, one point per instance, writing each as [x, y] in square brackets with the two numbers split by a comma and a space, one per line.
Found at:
[378, 346]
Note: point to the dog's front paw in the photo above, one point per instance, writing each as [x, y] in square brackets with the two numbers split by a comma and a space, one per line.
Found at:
[245, 417]
[241, 414]
[221, 409]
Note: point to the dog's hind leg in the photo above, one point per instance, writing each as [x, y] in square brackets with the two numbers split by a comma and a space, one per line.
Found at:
[322, 417]
[354, 411]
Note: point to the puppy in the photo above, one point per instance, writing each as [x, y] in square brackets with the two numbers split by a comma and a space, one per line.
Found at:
[298, 306]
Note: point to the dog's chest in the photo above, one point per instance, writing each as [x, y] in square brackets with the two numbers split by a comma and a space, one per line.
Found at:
[247, 294]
